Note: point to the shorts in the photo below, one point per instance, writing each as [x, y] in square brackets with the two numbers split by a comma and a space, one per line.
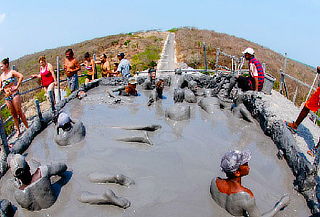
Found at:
[313, 102]
[73, 82]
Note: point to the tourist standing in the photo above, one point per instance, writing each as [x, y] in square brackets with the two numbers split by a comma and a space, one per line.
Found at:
[124, 66]
[48, 79]
[71, 68]
[9, 85]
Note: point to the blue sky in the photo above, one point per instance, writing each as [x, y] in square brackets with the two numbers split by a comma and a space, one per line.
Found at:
[290, 26]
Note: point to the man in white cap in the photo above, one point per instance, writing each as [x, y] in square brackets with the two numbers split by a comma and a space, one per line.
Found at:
[34, 191]
[254, 80]
[72, 132]
[231, 195]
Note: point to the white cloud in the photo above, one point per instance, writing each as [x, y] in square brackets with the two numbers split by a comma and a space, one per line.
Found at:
[2, 17]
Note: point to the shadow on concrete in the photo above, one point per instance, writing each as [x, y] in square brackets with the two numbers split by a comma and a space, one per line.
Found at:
[306, 135]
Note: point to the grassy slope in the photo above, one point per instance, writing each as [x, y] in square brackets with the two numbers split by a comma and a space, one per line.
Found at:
[131, 44]
[189, 50]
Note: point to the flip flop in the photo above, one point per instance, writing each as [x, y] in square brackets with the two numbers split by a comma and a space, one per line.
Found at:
[311, 153]
[293, 131]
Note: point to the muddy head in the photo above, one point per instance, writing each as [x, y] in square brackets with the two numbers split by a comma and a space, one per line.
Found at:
[231, 195]
[178, 112]
[34, 191]
[6, 208]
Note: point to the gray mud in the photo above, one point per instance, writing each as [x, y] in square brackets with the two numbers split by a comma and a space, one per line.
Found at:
[173, 176]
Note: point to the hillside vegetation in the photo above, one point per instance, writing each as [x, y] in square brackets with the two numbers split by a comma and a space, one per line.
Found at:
[189, 50]
[140, 48]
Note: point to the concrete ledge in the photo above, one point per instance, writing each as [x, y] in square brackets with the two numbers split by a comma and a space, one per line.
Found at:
[303, 170]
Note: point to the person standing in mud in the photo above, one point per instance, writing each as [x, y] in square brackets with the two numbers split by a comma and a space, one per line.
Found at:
[48, 79]
[10, 81]
[124, 66]
[71, 68]
[231, 195]
[34, 191]
[254, 80]
[159, 87]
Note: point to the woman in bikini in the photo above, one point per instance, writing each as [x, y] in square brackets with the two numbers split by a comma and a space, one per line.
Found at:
[89, 64]
[48, 79]
[10, 87]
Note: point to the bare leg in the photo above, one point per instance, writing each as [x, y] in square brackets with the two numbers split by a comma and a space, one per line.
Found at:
[108, 197]
[14, 115]
[17, 106]
[303, 114]
[103, 178]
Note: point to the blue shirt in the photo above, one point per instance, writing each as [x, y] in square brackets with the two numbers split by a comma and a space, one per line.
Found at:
[124, 68]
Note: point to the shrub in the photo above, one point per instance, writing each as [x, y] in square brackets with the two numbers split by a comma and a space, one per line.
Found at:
[41, 95]
[142, 60]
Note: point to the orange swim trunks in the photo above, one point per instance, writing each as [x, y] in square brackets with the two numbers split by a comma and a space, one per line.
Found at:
[313, 103]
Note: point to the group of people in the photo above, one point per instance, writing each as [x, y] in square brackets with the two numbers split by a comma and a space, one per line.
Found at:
[10, 80]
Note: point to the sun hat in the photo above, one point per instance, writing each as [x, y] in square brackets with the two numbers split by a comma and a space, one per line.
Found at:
[249, 50]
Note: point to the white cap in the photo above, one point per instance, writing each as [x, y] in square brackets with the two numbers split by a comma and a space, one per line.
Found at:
[63, 119]
[232, 160]
[249, 50]
[132, 81]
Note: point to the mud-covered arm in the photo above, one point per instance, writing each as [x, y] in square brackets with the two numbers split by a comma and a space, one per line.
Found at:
[56, 169]
[252, 210]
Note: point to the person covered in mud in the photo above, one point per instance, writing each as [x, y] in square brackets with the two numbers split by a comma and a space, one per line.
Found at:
[152, 72]
[231, 195]
[124, 66]
[71, 68]
[34, 191]
[254, 80]
[159, 87]
[129, 90]
[89, 65]
[68, 132]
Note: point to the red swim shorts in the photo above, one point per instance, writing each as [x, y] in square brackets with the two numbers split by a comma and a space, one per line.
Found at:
[313, 102]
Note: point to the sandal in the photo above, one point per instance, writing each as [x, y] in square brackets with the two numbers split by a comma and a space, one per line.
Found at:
[311, 153]
[293, 131]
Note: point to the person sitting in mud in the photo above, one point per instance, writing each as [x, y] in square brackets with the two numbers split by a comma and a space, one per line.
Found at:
[72, 132]
[159, 87]
[231, 195]
[129, 90]
[34, 191]
[254, 80]
[152, 72]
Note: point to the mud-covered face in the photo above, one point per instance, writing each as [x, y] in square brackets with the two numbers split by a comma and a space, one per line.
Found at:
[247, 56]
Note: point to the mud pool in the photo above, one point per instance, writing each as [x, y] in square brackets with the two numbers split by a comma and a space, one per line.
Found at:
[172, 177]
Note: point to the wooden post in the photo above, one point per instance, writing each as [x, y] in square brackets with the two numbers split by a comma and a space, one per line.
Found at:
[283, 86]
[58, 79]
[4, 139]
[264, 67]
[217, 59]
[205, 56]
[37, 104]
[95, 66]
[285, 63]
[295, 95]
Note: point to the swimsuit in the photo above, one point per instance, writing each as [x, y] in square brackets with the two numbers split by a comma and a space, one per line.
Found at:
[5, 83]
[46, 77]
